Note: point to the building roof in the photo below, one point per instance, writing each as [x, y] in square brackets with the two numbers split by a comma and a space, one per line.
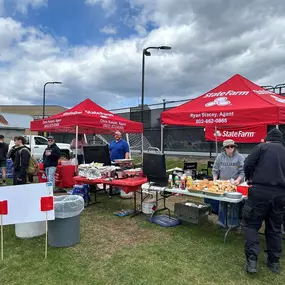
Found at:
[15, 121]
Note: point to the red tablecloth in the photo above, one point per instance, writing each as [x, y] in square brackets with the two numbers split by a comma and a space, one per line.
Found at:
[127, 185]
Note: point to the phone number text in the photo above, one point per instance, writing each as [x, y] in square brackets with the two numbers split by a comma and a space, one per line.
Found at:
[212, 121]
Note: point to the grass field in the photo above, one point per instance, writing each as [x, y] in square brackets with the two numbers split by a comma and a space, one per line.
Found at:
[123, 251]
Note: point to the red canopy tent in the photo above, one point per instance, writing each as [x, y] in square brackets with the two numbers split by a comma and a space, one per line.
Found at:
[236, 102]
[89, 118]
[86, 118]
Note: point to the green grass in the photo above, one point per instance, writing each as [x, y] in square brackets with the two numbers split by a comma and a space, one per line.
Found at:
[117, 250]
[123, 251]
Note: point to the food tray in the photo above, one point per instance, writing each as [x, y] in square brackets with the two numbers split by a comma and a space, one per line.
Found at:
[196, 191]
[210, 193]
[123, 160]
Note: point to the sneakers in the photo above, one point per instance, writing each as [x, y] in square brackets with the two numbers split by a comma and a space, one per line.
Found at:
[251, 264]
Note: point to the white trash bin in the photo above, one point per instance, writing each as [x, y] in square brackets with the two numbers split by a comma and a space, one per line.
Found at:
[30, 230]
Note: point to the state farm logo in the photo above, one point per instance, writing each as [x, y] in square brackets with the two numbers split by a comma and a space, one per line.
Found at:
[221, 101]
[280, 100]
[226, 93]
[234, 134]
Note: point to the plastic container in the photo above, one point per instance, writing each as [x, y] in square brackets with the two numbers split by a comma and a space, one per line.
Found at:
[30, 230]
[64, 231]
[192, 214]
[124, 195]
[148, 206]
[243, 190]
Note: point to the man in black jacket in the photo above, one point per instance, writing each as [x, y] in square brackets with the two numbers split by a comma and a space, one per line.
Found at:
[265, 171]
[20, 156]
[3, 157]
[51, 157]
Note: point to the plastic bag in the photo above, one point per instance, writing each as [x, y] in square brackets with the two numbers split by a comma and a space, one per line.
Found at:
[68, 206]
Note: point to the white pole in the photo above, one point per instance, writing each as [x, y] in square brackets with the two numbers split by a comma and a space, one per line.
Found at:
[76, 144]
[277, 127]
[216, 137]
[128, 141]
[142, 145]
[161, 138]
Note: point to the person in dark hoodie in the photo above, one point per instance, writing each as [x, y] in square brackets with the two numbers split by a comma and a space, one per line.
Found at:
[265, 172]
[20, 156]
[50, 158]
[3, 157]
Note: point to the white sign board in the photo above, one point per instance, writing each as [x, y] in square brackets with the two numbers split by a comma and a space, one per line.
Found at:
[24, 203]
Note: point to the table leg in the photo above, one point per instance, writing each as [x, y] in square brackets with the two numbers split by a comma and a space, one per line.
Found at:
[164, 204]
[136, 211]
[232, 208]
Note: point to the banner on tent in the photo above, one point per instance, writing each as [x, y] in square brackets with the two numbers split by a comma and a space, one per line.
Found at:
[243, 134]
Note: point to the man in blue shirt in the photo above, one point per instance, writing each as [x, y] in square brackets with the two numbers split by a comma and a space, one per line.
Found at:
[119, 148]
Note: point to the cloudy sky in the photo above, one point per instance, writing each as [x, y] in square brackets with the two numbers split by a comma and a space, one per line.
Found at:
[95, 48]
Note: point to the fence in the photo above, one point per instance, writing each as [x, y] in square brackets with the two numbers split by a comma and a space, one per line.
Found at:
[180, 140]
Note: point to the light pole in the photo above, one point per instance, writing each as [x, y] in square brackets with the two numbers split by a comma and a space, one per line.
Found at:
[44, 94]
[147, 53]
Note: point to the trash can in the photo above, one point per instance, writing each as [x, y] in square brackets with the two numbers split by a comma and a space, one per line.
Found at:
[64, 231]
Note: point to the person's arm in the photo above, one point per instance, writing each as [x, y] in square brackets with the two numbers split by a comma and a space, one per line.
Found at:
[24, 160]
[6, 150]
[251, 162]
[216, 167]
[72, 145]
[240, 170]
[127, 151]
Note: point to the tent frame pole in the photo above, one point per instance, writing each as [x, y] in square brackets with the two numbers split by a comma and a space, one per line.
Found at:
[76, 145]
[128, 141]
[162, 138]
[216, 141]
[142, 145]
[277, 127]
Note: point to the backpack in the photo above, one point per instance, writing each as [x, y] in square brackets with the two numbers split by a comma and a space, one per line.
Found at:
[33, 167]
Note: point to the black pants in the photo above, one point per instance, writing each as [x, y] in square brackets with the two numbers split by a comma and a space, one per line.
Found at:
[263, 205]
[19, 178]
[80, 159]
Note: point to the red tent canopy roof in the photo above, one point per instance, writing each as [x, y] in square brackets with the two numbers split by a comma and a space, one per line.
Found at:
[237, 101]
[90, 119]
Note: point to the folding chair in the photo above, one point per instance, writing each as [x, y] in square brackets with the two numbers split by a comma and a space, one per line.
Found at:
[191, 166]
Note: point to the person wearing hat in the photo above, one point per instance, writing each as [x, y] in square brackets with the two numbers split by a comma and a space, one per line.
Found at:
[229, 164]
[119, 148]
[265, 172]
[50, 159]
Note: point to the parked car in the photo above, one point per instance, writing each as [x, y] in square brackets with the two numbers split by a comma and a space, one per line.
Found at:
[39, 144]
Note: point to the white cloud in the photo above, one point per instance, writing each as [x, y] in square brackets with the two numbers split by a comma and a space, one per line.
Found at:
[22, 6]
[108, 5]
[109, 30]
[208, 43]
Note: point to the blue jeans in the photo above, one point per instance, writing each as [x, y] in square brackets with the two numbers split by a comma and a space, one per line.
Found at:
[50, 171]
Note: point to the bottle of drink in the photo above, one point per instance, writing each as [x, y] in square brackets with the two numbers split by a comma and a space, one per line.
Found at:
[176, 181]
[183, 182]
[189, 182]
[170, 181]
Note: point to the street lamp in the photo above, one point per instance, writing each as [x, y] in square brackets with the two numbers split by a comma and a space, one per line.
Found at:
[147, 53]
[44, 94]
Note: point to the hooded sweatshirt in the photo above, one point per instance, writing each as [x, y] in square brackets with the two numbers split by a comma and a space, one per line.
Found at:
[227, 167]
[265, 166]
[3, 151]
